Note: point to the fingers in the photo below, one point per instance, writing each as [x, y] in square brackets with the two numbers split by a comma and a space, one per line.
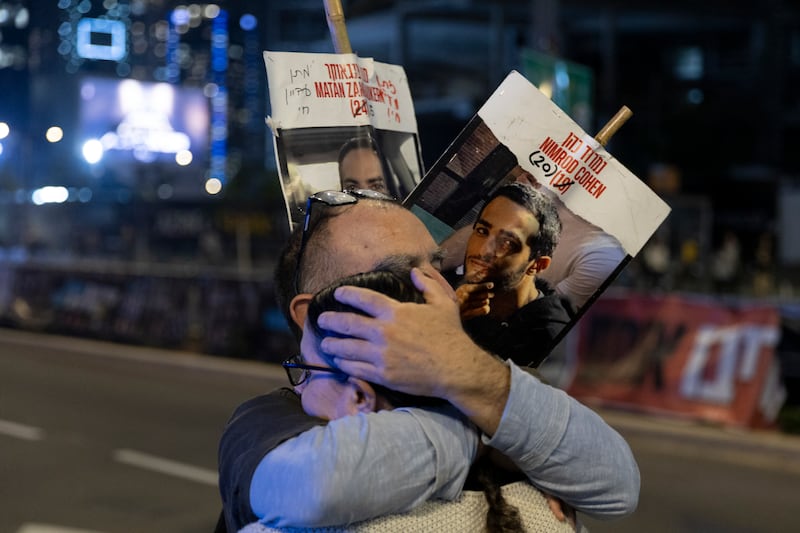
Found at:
[362, 370]
[474, 299]
[435, 289]
[476, 290]
[371, 302]
[474, 312]
[555, 507]
[395, 343]
[357, 357]
[348, 324]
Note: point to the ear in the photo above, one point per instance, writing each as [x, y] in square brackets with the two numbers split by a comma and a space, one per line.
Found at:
[298, 308]
[538, 264]
[361, 396]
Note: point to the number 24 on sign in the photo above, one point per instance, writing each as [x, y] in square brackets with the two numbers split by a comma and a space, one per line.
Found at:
[359, 106]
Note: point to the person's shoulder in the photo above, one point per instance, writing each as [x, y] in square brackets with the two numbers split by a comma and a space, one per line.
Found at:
[602, 242]
[278, 397]
[262, 423]
[544, 286]
[273, 416]
[551, 306]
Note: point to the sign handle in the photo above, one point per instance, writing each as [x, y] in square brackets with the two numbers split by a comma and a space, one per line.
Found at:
[613, 125]
[335, 15]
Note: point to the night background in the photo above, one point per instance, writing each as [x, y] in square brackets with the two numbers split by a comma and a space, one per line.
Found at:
[159, 225]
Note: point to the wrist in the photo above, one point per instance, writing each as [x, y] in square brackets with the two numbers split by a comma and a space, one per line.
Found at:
[479, 388]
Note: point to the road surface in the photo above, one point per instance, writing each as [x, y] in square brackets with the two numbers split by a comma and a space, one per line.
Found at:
[106, 438]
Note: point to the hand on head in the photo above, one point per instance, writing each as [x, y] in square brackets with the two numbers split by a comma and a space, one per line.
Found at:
[406, 346]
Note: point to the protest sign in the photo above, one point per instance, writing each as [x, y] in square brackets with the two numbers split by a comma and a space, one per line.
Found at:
[607, 213]
[681, 355]
[320, 102]
[518, 126]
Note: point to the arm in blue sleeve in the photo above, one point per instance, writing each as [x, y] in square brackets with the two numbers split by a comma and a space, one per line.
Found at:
[363, 466]
[566, 449]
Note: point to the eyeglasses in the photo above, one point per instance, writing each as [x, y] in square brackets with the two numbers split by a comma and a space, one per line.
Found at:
[299, 372]
[330, 199]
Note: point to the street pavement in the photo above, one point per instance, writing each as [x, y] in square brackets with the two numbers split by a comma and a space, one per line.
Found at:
[107, 438]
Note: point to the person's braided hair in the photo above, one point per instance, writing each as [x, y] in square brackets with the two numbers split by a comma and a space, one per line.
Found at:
[501, 517]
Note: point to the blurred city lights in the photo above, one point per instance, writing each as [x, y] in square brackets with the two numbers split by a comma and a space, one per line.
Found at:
[89, 28]
[54, 134]
[211, 11]
[4, 130]
[695, 96]
[210, 90]
[84, 194]
[183, 157]
[546, 88]
[213, 186]
[180, 16]
[164, 191]
[248, 22]
[50, 195]
[92, 151]
[22, 18]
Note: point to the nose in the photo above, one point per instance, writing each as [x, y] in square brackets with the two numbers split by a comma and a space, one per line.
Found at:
[488, 248]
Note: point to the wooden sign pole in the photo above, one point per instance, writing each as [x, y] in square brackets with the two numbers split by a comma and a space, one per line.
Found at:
[613, 125]
[341, 45]
[336, 25]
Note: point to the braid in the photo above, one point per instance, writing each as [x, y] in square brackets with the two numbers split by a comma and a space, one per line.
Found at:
[501, 517]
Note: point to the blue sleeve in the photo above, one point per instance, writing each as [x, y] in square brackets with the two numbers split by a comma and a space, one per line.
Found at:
[362, 466]
[566, 449]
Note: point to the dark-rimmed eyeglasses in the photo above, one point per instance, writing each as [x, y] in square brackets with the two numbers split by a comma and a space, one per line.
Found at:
[298, 371]
[330, 199]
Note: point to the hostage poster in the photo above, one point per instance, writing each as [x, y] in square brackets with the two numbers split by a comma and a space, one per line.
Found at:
[607, 213]
[340, 121]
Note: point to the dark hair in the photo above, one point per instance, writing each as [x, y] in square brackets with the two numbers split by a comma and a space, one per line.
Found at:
[366, 142]
[501, 517]
[541, 207]
[284, 275]
[395, 283]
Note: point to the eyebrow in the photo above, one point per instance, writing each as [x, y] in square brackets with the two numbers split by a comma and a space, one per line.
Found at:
[401, 261]
[503, 233]
[397, 262]
[438, 256]
[510, 235]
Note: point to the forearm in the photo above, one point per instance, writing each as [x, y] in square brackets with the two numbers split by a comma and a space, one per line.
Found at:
[566, 449]
[364, 466]
[478, 385]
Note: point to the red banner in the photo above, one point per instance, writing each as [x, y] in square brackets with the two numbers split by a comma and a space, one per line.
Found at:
[687, 356]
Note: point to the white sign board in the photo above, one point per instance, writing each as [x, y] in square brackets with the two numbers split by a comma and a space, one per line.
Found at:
[321, 102]
[568, 161]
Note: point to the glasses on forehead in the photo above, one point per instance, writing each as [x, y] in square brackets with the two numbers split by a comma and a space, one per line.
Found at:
[330, 199]
[298, 372]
